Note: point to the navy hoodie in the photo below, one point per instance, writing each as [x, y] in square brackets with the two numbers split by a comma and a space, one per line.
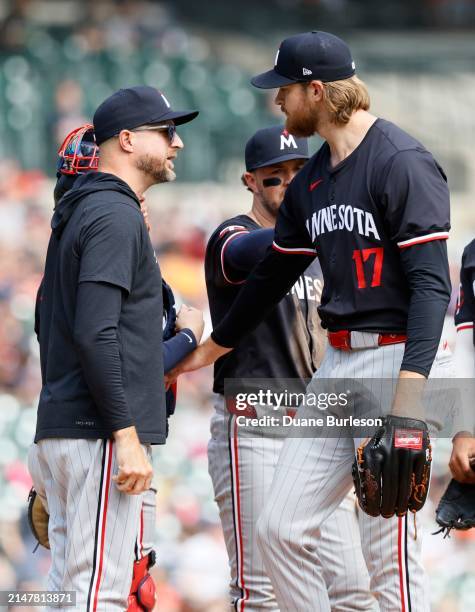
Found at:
[99, 235]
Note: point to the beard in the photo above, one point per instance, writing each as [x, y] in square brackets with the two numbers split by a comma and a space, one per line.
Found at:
[156, 169]
[304, 122]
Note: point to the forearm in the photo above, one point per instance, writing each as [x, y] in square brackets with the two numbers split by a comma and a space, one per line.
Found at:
[268, 283]
[95, 335]
[177, 348]
[246, 250]
[427, 271]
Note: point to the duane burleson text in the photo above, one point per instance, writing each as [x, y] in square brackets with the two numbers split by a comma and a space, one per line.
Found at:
[289, 421]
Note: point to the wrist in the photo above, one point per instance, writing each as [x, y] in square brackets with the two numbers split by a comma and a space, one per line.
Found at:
[191, 334]
[407, 401]
[125, 434]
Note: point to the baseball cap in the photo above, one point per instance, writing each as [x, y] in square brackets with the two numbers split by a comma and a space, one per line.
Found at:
[273, 145]
[129, 108]
[307, 57]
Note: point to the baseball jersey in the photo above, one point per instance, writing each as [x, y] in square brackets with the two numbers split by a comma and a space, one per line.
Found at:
[465, 311]
[387, 195]
[287, 344]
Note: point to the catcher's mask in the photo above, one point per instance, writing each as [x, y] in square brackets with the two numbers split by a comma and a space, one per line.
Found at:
[79, 152]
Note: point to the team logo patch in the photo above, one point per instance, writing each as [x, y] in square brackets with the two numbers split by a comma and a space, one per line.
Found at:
[408, 438]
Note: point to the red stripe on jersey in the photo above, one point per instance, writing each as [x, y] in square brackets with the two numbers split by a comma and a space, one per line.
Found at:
[240, 569]
[462, 326]
[296, 251]
[103, 521]
[230, 228]
[228, 240]
[420, 239]
[400, 560]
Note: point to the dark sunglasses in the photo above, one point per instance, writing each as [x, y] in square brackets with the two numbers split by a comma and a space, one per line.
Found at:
[170, 128]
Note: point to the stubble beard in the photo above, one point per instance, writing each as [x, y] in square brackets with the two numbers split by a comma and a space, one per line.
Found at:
[156, 169]
[269, 205]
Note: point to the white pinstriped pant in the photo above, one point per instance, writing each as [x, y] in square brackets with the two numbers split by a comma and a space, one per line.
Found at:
[242, 468]
[311, 479]
[95, 531]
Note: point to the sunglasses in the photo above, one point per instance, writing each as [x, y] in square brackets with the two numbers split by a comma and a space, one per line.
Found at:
[170, 128]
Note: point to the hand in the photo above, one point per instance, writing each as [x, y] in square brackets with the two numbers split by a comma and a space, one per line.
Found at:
[462, 460]
[202, 356]
[190, 318]
[135, 470]
[144, 209]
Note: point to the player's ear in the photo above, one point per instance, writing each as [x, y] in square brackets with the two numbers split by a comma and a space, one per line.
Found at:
[126, 141]
[316, 90]
[249, 181]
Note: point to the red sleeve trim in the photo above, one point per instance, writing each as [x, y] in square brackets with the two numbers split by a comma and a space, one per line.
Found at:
[230, 228]
[294, 251]
[226, 242]
[420, 239]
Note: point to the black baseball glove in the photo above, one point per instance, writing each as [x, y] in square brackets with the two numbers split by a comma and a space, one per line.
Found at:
[456, 509]
[391, 472]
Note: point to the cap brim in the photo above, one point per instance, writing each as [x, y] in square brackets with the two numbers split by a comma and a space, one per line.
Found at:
[178, 117]
[277, 160]
[271, 80]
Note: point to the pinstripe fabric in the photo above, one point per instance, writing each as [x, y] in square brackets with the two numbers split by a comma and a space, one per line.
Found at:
[242, 468]
[93, 527]
[311, 479]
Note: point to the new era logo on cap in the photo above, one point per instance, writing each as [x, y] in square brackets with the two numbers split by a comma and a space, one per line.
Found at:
[306, 71]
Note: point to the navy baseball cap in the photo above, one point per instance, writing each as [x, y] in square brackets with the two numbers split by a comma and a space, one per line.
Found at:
[273, 145]
[306, 57]
[129, 108]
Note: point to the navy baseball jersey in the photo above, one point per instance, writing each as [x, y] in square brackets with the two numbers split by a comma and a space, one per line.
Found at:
[388, 194]
[465, 312]
[287, 344]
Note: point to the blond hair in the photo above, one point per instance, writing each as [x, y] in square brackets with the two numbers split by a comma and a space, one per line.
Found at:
[343, 98]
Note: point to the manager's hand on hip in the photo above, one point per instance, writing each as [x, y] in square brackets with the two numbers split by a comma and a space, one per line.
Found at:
[135, 471]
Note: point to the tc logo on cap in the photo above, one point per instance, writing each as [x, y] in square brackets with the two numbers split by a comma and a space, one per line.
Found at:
[287, 140]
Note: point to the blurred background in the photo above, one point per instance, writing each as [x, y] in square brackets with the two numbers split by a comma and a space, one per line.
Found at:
[58, 61]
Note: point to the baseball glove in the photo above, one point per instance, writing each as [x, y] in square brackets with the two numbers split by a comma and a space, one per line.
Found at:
[38, 518]
[391, 472]
[456, 509]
